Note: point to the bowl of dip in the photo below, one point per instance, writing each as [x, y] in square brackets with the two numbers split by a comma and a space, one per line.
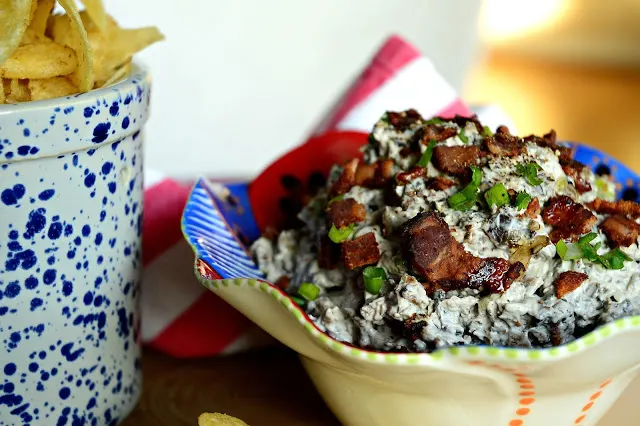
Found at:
[436, 270]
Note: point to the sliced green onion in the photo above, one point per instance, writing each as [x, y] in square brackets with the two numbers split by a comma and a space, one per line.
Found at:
[486, 131]
[476, 175]
[467, 198]
[434, 120]
[568, 251]
[530, 173]
[614, 259]
[336, 198]
[385, 118]
[464, 138]
[299, 300]
[339, 235]
[372, 140]
[586, 239]
[497, 195]
[561, 248]
[309, 291]
[426, 157]
[604, 189]
[522, 200]
[373, 278]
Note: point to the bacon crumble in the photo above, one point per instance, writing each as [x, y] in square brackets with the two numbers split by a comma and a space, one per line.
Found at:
[568, 281]
[574, 169]
[569, 219]
[343, 213]
[623, 207]
[620, 231]
[361, 251]
[455, 160]
[437, 256]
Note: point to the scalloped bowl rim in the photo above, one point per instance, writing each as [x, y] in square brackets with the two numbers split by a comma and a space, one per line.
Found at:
[480, 352]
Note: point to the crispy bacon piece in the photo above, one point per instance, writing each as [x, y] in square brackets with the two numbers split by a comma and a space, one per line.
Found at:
[503, 130]
[360, 252]
[384, 172]
[620, 231]
[462, 121]
[328, 253]
[374, 175]
[504, 145]
[549, 141]
[455, 160]
[533, 209]
[436, 255]
[283, 282]
[573, 169]
[364, 174]
[569, 218]
[437, 133]
[623, 207]
[345, 212]
[347, 179]
[496, 274]
[413, 173]
[440, 183]
[404, 119]
[569, 281]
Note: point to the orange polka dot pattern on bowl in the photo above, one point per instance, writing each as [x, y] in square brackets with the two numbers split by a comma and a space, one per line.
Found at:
[592, 400]
[526, 392]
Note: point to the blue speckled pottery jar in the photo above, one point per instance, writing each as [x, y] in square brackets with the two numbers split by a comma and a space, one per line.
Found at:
[70, 228]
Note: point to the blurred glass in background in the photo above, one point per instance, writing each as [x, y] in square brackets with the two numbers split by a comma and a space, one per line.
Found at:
[573, 65]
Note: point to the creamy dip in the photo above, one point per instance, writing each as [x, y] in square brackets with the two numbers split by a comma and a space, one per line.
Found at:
[410, 311]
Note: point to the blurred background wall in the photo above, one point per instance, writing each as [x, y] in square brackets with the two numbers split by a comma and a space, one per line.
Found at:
[238, 82]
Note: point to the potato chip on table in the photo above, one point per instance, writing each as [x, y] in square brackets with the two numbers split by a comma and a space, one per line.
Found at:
[217, 419]
[45, 55]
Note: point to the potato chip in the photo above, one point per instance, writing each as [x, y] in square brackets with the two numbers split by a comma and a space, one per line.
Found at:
[40, 17]
[40, 60]
[48, 88]
[31, 37]
[95, 10]
[14, 19]
[83, 77]
[217, 419]
[18, 91]
[122, 45]
[118, 75]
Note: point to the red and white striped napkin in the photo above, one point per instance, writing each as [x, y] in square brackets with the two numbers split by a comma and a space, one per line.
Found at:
[179, 316]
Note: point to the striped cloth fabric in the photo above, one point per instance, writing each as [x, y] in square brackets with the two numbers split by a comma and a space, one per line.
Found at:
[182, 319]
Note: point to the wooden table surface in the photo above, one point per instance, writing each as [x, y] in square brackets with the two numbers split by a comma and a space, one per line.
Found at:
[597, 106]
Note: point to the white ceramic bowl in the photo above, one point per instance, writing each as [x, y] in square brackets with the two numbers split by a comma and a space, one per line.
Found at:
[70, 226]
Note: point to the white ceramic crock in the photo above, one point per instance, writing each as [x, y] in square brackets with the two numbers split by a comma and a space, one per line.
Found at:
[70, 227]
